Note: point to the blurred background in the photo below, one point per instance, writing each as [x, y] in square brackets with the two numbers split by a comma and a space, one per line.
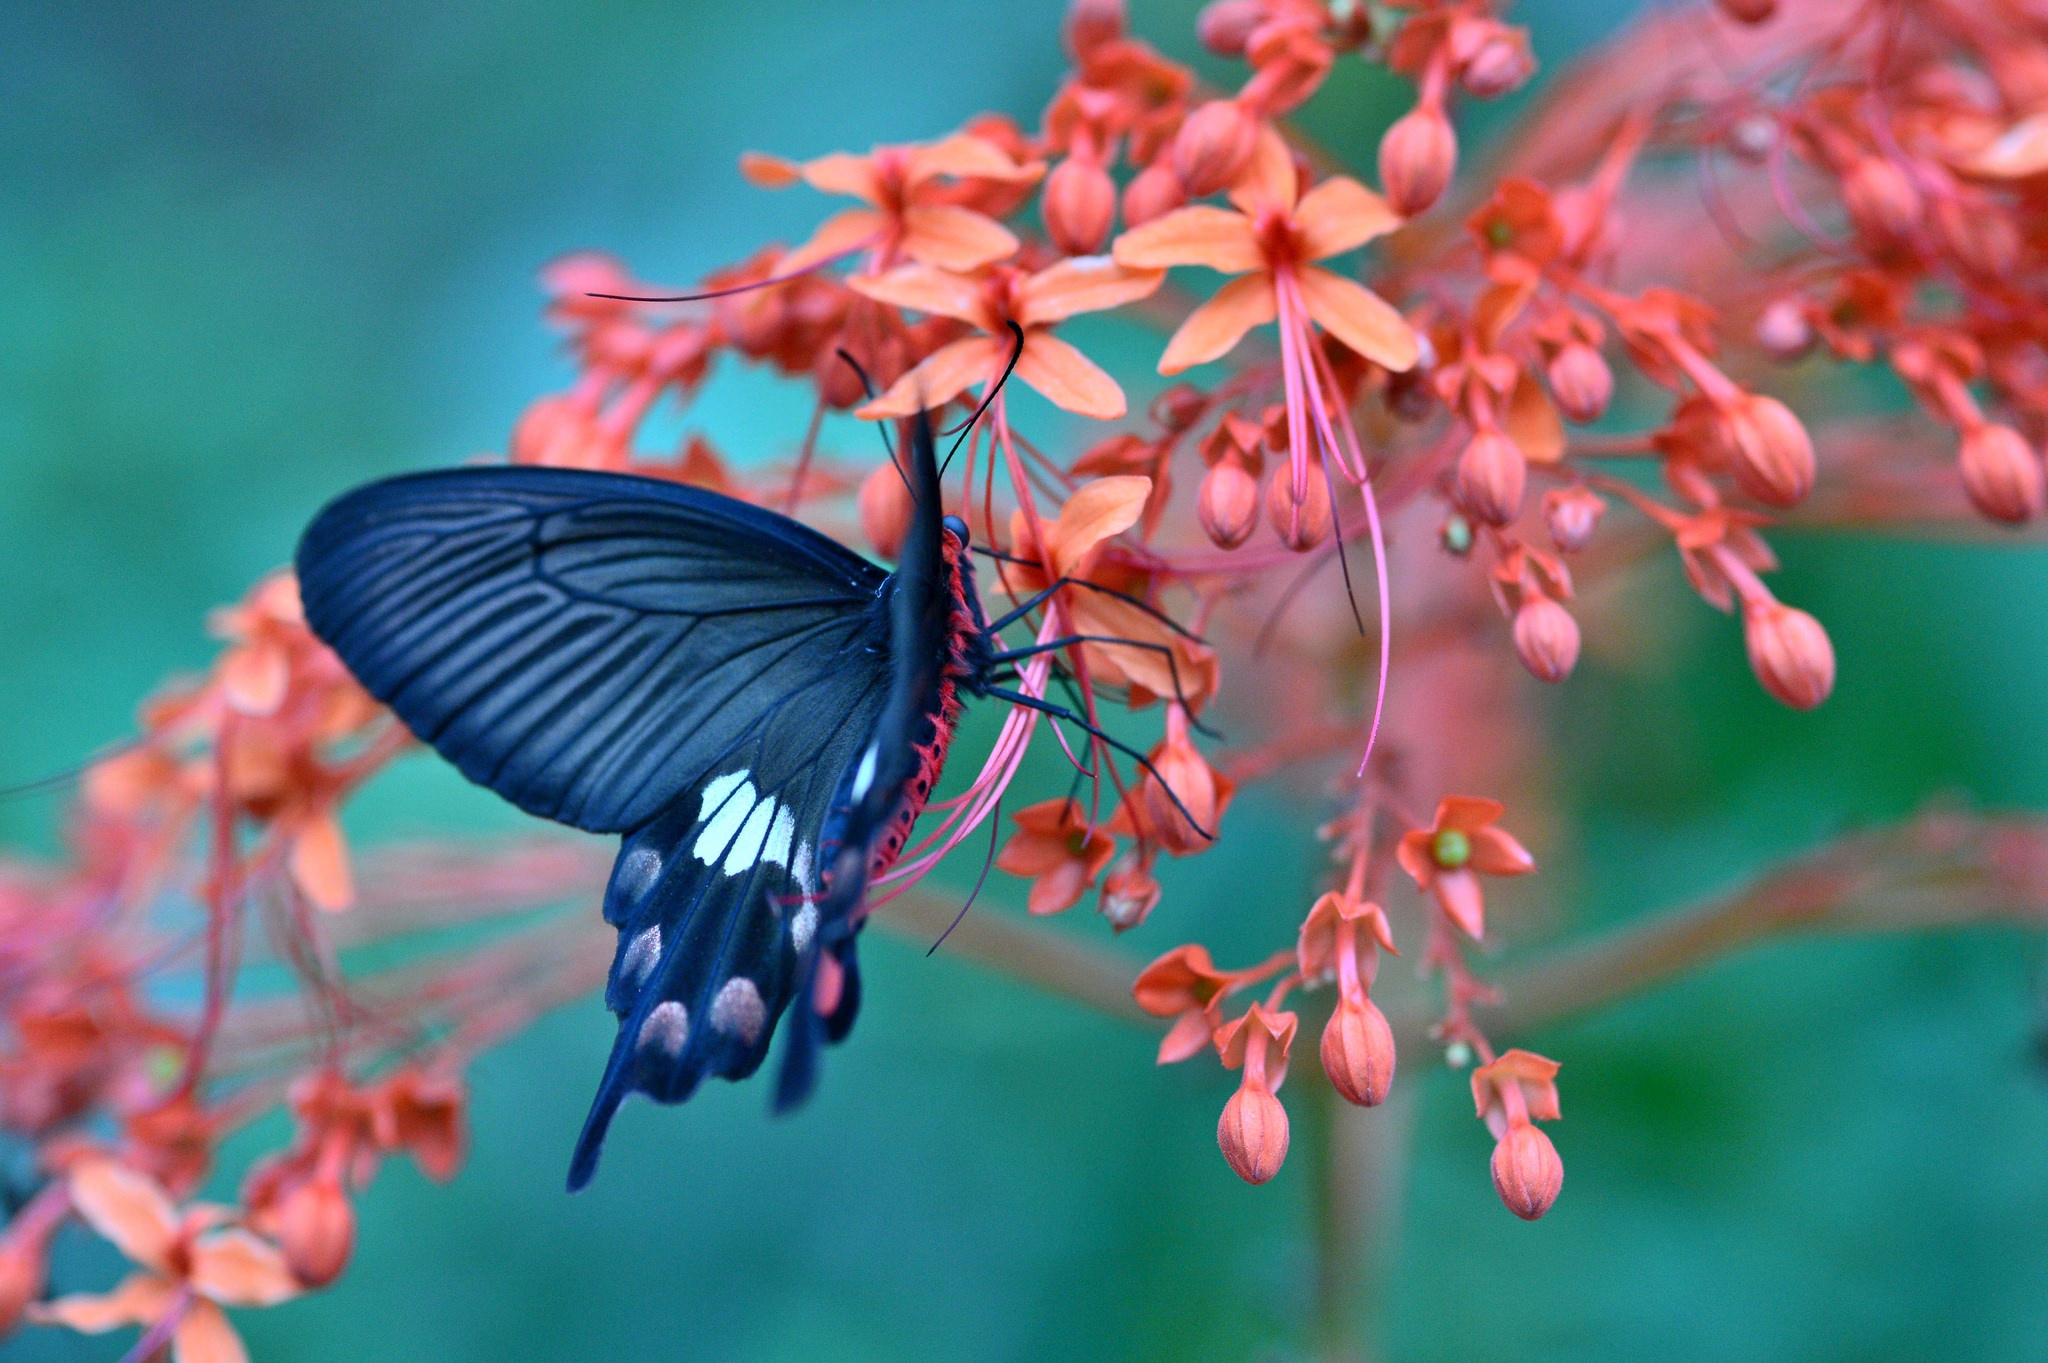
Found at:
[250, 256]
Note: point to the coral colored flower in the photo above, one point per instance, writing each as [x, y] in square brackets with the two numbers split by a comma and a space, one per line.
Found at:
[1252, 1131]
[1459, 846]
[910, 210]
[1179, 804]
[1185, 985]
[990, 302]
[1512, 1094]
[191, 1266]
[1342, 938]
[1055, 847]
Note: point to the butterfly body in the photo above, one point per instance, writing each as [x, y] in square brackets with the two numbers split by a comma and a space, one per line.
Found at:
[760, 712]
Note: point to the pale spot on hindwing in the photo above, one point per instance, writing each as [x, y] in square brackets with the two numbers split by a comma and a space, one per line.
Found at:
[668, 1027]
[723, 818]
[637, 872]
[780, 835]
[743, 826]
[641, 954]
[738, 1010]
[804, 926]
[864, 776]
[746, 848]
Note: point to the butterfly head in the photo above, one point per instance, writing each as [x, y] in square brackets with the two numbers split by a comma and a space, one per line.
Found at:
[957, 528]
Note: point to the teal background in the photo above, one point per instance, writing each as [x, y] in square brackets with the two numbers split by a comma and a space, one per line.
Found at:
[252, 255]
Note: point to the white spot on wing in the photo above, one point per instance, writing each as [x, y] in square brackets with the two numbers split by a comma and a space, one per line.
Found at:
[641, 954]
[733, 812]
[804, 927]
[800, 870]
[715, 793]
[738, 1010]
[667, 1026]
[865, 775]
[746, 848]
[780, 836]
[637, 871]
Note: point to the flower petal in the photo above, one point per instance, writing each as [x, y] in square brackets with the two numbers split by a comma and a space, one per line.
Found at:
[926, 288]
[769, 172]
[1467, 813]
[1496, 853]
[1082, 284]
[239, 1269]
[1341, 215]
[1200, 235]
[1105, 507]
[844, 173]
[955, 238]
[204, 1336]
[127, 1208]
[1268, 179]
[139, 1299]
[1068, 378]
[1359, 318]
[255, 676]
[1212, 329]
[1187, 1038]
[1461, 898]
[940, 378]
[319, 863]
[842, 232]
[967, 157]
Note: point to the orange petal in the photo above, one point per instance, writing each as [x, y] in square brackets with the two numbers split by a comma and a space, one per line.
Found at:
[319, 863]
[1212, 329]
[1341, 215]
[127, 1208]
[1459, 894]
[1068, 378]
[1082, 284]
[1188, 1037]
[254, 676]
[1105, 507]
[238, 1269]
[1267, 180]
[139, 1299]
[1200, 235]
[967, 157]
[769, 172]
[204, 1336]
[2020, 151]
[1496, 853]
[1359, 318]
[1533, 423]
[843, 173]
[1467, 813]
[840, 233]
[955, 238]
[942, 376]
[925, 288]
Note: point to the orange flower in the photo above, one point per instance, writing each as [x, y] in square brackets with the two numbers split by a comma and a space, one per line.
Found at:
[1512, 1095]
[1185, 985]
[991, 302]
[1252, 1132]
[1056, 848]
[908, 213]
[1448, 857]
[192, 1265]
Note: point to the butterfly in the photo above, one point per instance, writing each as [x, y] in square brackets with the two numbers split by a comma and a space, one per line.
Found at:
[759, 711]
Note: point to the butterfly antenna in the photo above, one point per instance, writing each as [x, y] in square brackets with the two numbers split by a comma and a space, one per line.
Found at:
[867, 385]
[1081, 722]
[1016, 354]
[995, 823]
[767, 283]
[57, 780]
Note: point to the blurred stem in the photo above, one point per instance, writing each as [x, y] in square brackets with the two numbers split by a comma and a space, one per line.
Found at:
[1361, 1165]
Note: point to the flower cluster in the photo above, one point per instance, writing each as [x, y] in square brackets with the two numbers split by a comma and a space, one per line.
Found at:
[1512, 361]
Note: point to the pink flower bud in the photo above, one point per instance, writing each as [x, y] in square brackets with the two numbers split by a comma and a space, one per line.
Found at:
[1091, 23]
[1572, 513]
[1213, 146]
[1502, 63]
[1789, 652]
[1179, 407]
[1305, 530]
[1580, 381]
[1783, 331]
[1079, 206]
[1129, 893]
[1225, 25]
[1773, 456]
[1151, 192]
[1228, 506]
[2002, 474]
[885, 510]
[1491, 475]
[316, 1228]
[1358, 1052]
[1526, 1171]
[1546, 638]
[1253, 1132]
[1748, 11]
[1881, 199]
[1417, 156]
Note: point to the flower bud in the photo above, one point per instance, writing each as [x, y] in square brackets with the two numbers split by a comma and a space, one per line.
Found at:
[1491, 474]
[1881, 199]
[1358, 1052]
[1091, 23]
[1179, 407]
[2002, 474]
[1572, 513]
[1213, 146]
[1417, 156]
[1783, 331]
[885, 510]
[1228, 506]
[1151, 192]
[1748, 11]
[1546, 638]
[1789, 652]
[316, 1228]
[1980, 236]
[1773, 456]
[1580, 381]
[1225, 25]
[1526, 1171]
[1253, 1133]
[1305, 528]
[1502, 63]
[1129, 893]
[1079, 206]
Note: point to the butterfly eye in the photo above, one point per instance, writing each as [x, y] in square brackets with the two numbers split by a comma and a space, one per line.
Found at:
[957, 528]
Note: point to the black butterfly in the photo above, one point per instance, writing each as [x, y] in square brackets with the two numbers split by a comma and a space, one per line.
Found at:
[760, 711]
